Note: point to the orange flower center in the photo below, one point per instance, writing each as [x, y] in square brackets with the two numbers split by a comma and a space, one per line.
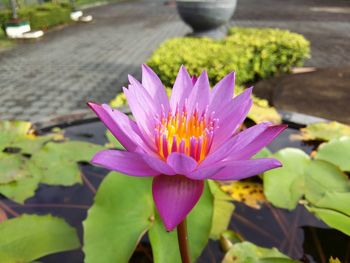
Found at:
[189, 134]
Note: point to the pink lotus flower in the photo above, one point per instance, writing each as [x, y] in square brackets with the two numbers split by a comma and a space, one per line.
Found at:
[186, 140]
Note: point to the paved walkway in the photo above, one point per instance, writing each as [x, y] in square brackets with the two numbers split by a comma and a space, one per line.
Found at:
[57, 75]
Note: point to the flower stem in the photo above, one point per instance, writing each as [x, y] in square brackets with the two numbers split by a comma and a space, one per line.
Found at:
[183, 242]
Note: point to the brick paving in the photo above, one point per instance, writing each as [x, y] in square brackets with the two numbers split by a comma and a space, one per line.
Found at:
[57, 75]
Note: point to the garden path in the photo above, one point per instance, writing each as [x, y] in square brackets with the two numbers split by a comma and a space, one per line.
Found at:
[58, 74]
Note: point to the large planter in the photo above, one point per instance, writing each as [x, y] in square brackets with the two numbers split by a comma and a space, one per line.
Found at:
[206, 16]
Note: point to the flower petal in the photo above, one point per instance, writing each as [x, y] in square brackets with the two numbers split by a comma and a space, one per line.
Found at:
[124, 129]
[222, 93]
[232, 118]
[237, 170]
[181, 89]
[125, 162]
[181, 163]
[246, 147]
[239, 141]
[174, 197]
[200, 94]
[154, 86]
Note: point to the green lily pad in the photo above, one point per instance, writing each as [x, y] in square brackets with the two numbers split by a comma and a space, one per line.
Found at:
[336, 151]
[325, 131]
[12, 167]
[165, 245]
[121, 214]
[300, 176]
[28, 237]
[113, 142]
[246, 252]
[262, 113]
[56, 163]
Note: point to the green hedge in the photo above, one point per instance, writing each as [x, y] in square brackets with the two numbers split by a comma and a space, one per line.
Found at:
[253, 53]
[41, 16]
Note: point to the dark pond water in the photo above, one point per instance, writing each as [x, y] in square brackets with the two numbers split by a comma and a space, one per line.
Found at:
[297, 234]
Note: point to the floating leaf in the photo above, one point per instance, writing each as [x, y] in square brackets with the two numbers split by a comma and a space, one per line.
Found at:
[223, 209]
[263, 153]
[119, 217]
[228, 238]
[12, 167]
[56, 163]
[325, 131]
[245, 252]
[259, 113]
[301, 176]
[165, 244]
[336, 151]
[334, 260]
[29, 237]
[247, 192]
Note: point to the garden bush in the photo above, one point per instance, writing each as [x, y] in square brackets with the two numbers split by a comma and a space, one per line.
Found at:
[253, 53]
[42, 16]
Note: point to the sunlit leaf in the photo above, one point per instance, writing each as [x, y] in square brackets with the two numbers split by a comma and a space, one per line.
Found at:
[325, 131]
[336, 151]
[246, 252]
[259, 113]
[250, 193]
[228, 238]
[334, 260]
[12, 167]
[263, 153]
[335, 201]
[122, 212]
[165, 245]
[29, 237]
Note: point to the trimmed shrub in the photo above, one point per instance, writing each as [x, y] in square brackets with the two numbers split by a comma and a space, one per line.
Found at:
[41, 16]
[253, 53]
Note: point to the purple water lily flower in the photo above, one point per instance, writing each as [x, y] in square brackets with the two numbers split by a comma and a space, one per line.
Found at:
[186, 140]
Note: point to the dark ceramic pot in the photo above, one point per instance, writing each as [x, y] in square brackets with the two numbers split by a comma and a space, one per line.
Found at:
[206, 15]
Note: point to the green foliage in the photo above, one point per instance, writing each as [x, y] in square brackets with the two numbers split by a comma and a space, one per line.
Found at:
[252, 53]
[42, 16]
[119, 217]
[123, 211]
[324, 131]
[35, 159]
[336, 151]
[246, 252]
[29, 237]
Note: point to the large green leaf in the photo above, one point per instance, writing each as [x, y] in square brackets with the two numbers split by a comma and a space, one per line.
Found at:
[56, 163]
[300, 176]
[325, 131]
[336, 151]
[12, 167]
[165, 246]
[285, 186]
[121, 214]
[246, 252]
[29, 237]
[336, 201]
[113, 142]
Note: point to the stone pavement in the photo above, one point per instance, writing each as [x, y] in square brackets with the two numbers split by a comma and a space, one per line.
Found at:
[57, 75]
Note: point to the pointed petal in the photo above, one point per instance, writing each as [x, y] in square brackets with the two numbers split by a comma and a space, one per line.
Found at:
[247, 147]
[125, 162]
[232, 117]
[222, 93]
[154, 86]
[239, 141]
[200, 94]
[237, 170]
[181, 163]
[181, 90]
[174, 197]
[144, 113]
[124, 129]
